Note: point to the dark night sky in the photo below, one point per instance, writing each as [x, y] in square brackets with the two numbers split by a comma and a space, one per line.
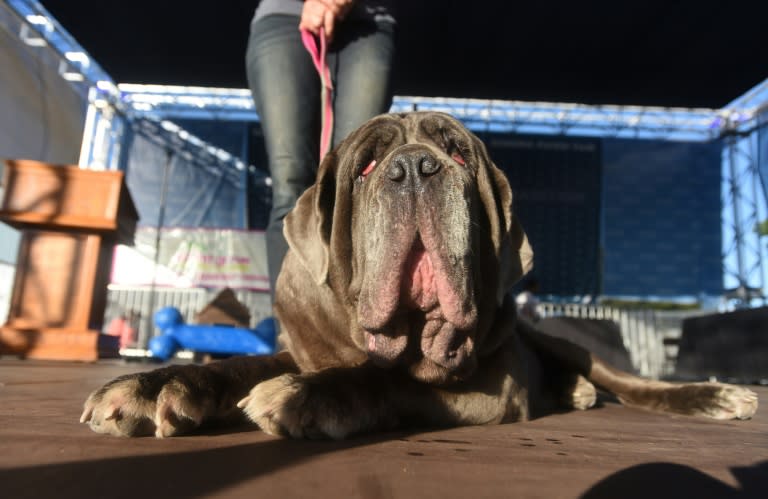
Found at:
[668, 53]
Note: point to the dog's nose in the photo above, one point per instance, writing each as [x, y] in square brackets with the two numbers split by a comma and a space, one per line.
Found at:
[412, 163]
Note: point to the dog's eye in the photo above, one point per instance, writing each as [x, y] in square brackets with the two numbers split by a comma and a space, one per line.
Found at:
[368, 169]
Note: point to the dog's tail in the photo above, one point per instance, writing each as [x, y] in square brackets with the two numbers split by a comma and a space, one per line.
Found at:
[716, 400]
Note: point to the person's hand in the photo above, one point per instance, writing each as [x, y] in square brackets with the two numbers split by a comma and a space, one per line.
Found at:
[324, 14]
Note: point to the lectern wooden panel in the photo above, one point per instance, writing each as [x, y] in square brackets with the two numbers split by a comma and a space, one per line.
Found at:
[70, 220]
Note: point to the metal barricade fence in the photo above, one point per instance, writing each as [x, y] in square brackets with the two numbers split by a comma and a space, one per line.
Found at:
[641, 337]
[139, 303]
[644, 332]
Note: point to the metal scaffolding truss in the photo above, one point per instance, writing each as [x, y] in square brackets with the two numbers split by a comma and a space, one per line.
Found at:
[198, 103]
[112, 107]
[745, 199]
[573, 119]
[743, 209]
[701, 124]
[37, 28]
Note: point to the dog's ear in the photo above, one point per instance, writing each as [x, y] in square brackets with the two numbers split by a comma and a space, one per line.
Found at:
[307, 226]
[513, 251]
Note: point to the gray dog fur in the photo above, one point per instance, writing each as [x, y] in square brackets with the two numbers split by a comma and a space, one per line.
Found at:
[394, 311]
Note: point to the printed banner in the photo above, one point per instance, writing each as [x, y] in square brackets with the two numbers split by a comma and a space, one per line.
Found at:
[207, 258]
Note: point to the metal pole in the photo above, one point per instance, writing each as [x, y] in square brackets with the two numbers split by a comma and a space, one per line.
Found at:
[146, 335]
[738, 234]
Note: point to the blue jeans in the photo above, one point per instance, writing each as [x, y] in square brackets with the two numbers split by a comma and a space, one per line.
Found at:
[286, 91]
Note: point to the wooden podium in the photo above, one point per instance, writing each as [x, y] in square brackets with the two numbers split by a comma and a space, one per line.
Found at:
[70, 220]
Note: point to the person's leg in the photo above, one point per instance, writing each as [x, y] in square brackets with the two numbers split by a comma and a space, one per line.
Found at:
[361, 63]
[286, 91]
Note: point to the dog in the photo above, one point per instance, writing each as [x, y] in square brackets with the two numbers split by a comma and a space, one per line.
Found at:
[394, 309]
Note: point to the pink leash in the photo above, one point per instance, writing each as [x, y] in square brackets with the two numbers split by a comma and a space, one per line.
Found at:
[326, 98]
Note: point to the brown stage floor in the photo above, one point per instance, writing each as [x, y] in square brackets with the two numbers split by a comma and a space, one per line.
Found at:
[611, 452]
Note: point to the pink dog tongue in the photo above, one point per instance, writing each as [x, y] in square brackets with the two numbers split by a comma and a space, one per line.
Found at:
[419, 288]
[423, 286]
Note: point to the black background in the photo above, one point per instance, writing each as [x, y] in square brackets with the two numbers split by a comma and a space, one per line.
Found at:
[667, 53]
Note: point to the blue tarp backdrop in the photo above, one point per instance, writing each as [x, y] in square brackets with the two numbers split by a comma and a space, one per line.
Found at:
[173, 186]
[556, 185]
[617, 217]
[661, 230]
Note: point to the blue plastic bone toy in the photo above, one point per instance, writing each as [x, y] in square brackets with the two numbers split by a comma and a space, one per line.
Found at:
[227, 340]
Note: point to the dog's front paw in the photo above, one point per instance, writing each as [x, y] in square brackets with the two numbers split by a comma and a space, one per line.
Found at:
[159, 403]
[276, 405]
[730, 402]
[290, 405]
[117, 409]
[582, 396]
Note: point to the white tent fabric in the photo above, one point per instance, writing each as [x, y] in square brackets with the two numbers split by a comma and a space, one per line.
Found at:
[42, 113]
[42, 118]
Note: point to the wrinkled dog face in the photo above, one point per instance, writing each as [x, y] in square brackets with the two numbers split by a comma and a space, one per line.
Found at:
[410, 235]
[422, 229]
[412, 257]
